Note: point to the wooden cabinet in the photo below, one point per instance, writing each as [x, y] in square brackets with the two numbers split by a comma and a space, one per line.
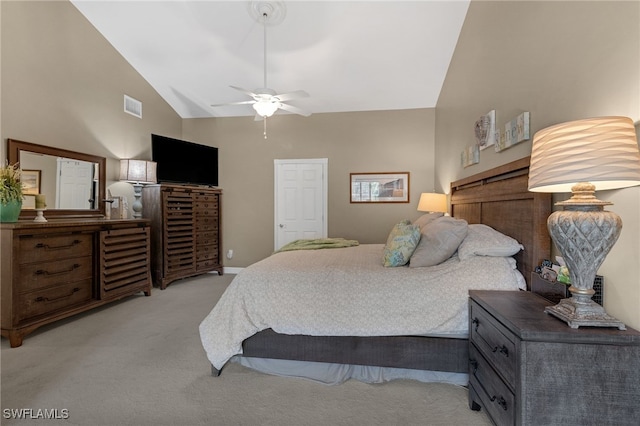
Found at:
[529, 368]
[186, 228]
[124, 261]
[59, 268]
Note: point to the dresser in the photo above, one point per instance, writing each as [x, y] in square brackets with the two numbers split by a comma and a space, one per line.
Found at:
[529, 368]
[186, 224]
[56, 269]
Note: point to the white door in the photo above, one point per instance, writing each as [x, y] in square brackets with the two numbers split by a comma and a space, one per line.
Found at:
[75, 184]
[300, 200]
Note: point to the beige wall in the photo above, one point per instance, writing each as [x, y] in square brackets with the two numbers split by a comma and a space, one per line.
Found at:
[385, 141]
[63, 86]
[560, 61]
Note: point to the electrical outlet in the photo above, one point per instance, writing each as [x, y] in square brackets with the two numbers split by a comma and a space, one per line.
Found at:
[229, 254]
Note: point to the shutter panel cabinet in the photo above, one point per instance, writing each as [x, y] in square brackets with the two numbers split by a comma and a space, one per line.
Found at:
[185, 223]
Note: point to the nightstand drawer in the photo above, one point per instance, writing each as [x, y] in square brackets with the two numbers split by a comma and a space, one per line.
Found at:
[563, 376]
[496, 397]
[493, 340]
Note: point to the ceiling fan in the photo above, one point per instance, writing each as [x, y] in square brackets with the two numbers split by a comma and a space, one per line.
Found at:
[267, 101]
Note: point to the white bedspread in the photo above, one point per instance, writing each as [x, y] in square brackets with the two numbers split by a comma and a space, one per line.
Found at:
[347, 292]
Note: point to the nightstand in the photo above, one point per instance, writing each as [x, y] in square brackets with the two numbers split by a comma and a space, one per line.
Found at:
[529, 368]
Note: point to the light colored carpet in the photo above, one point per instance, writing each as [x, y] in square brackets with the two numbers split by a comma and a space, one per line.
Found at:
[140, 362]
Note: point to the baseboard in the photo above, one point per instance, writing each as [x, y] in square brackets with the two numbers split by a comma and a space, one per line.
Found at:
[233, 271]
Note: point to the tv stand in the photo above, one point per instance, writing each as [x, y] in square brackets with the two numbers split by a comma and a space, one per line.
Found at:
[185, 230]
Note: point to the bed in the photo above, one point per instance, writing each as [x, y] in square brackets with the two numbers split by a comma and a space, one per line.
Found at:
[391, 344]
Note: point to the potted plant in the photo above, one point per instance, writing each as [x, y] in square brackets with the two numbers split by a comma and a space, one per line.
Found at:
[10, 193]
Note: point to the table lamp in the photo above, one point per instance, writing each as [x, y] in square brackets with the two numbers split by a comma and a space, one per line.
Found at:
[581, 157]
[432, 202]
[138, 173]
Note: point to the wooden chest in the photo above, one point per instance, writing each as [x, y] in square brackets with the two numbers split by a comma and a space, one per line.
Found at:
[186, 231]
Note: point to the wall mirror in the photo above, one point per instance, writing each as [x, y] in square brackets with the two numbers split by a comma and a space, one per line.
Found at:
[73, 183]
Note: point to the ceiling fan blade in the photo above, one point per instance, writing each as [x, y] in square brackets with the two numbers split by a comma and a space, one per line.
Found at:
[245, 91]
[295, 110]
[292, 95]
[235, 103]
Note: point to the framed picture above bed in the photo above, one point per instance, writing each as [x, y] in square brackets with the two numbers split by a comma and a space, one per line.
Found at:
[386, 187]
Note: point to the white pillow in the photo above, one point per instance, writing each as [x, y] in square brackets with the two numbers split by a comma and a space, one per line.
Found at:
[439, 240]
[483, 240]
[427, 218]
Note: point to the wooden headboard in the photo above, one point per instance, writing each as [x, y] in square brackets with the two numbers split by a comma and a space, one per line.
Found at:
[500, 199]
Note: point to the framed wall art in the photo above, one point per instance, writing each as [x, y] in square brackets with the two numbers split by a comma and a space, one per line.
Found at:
[391, 187]
[515, 131]
[485, 130]
[30, 181]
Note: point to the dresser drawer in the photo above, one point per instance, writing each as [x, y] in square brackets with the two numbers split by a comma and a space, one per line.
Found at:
[496, 397]
[495, 342]
[208, 264]
[42, 248]
[208, 239]
[206, 211]
[206, 223]
[207, 252]
[207, 200]
[34, 276]
[42, 302]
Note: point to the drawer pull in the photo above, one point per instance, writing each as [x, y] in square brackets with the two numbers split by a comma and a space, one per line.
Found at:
[46, 299]
[476, 322]
[48, 247]
[501, 402]
[474, 364]
[43, 272]
[503, 350]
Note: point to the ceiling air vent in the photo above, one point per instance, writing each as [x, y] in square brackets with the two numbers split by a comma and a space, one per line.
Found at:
[132, 106]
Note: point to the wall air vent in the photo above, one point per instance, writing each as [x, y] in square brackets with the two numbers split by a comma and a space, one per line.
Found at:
[132, 106]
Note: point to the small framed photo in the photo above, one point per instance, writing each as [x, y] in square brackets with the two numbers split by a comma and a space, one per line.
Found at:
[30, 181]
[391, 187]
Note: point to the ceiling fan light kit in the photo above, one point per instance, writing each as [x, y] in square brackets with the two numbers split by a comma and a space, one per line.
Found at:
[267, 101]
[265, 108]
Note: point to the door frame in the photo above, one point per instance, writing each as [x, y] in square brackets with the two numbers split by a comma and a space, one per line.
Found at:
[325, 191]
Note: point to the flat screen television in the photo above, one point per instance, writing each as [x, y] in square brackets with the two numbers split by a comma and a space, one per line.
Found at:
[185, 162]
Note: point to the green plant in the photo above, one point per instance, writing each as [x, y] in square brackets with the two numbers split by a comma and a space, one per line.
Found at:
[10, 185]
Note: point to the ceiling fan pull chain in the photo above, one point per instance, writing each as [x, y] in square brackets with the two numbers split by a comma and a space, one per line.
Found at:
[264, 120]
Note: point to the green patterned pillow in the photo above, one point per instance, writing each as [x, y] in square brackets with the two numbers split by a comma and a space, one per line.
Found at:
[401, 243]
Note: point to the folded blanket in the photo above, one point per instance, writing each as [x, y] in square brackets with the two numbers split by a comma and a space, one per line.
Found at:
[318, 243]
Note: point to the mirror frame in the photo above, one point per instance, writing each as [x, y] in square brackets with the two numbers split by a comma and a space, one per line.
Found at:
[13, 150]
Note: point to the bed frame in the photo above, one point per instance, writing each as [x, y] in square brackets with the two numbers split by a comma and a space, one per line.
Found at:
[499, 198]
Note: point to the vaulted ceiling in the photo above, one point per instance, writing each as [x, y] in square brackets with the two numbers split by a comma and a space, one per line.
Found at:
[348, 55]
